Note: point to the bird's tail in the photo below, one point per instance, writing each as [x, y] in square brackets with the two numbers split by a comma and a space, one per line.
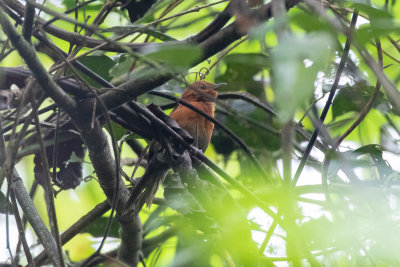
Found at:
[144, 191]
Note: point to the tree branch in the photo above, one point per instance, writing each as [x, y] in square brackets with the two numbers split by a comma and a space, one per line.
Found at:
[77, 227]
[28, 207]
[29, 55]
[95, 140]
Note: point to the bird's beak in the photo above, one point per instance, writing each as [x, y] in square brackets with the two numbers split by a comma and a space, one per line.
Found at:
[218, 85]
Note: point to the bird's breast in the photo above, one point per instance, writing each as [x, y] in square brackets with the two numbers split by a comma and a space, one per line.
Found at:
[195, 124]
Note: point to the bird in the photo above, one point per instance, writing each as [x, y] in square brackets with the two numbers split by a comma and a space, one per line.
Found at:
[200, 94]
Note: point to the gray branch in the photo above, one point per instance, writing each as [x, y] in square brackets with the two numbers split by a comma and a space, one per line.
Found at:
[28, 207]
[96, 142]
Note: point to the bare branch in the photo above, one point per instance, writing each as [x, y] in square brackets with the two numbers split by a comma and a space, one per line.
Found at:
[29, 55]
[28, 22]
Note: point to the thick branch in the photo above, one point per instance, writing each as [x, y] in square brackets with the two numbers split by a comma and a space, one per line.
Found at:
[95, 140]
[211, 46]
[77, 227]
[29, 55]
[27, 206]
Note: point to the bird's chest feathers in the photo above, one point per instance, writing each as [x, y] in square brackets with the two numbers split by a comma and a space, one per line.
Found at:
[208, 108]
[197, 126]
[193, 118]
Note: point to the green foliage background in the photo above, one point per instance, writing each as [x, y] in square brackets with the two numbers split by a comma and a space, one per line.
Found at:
[287, 64]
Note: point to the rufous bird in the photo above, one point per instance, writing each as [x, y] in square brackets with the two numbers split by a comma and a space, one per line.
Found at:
[200, 94]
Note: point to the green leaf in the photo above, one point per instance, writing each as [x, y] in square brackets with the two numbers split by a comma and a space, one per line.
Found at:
[381, 23]
[355, 98]
[123, 63]
[178, 56]
[310, 23]
[117, 129]
[296, 62]
[98, 228]
[375, 152]
[372, 149]
[142, 29]
[99, 64]
[255, 130]
[379, 18]
[69, 3]
[251, 62]
[365, 33]
[241, 69]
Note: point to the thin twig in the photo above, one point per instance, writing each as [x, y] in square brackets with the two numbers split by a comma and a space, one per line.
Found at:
[2, 156]
[367, 108]
[55, 145]
[8, 161]
[98, 20]
[139, 160]
[223, 54]
[78, 226]
[394, 43]
[129, 32]
[287, 150]
[195, 9]
[29, 55]
[29, 209]
[116, 156]
[20, 227]
[24, 221]
[8, 230]
[330, 97]
[268, 236]
[3, 53]
[47, 185]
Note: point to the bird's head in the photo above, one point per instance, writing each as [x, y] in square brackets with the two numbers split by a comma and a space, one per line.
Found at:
[201, 91]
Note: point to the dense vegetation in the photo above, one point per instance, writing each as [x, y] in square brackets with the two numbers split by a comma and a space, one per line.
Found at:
[303, 164]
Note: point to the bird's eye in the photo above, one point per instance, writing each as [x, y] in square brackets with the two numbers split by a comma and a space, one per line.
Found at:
[203, 86]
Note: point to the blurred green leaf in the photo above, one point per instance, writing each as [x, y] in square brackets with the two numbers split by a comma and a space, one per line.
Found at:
[98, 228]
[253, 126]
[319, 233]
[117, 130]
[375, 151]
[123, 64]
[295, 70]
[310, 23]
[379, 18]
[178, 56]
[355, 98]
[372, 149]
[68, 3]
[99, 64]
[241, 70]
[381, 23]
[365, 33]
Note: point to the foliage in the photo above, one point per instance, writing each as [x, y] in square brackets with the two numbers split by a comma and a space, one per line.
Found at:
[249, 202]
